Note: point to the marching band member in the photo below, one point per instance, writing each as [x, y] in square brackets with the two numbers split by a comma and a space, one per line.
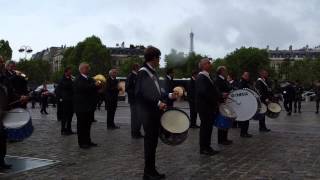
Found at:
[265, 91]
[111, 94]
[130, 88]
[84, 103]
[44, 93]
[225, 88]
[244, 125]
[192, 100]
[169, 85]
[207, 103]
[150, 105]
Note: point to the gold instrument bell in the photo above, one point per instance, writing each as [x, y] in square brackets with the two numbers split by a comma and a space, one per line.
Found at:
[101, 79]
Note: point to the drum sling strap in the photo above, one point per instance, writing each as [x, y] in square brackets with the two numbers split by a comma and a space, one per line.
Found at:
[153, 77]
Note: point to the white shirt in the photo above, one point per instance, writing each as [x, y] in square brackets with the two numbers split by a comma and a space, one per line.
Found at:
[221, 77]
[85, 76]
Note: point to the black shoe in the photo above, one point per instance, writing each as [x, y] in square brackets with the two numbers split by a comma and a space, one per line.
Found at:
[317, 112]
[289, 113]
[113, 127]
[46, 113]
[137, 136]
[93, 144]
[265, 130]
[208, 151]
[226, 142]
[194, 126]
[299, 111]
[246, 135]
[295, 111]
[153, 176]
[84, 146]
[5, 166]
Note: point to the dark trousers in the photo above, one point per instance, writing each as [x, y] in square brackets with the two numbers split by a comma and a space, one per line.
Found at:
[3, 144]
[297, 104]
[59, 110]
[135, 121]
[44, 104]
[84, 121]
[317, 104]
[111, 111]
[222, 135]
[193, 113]
[206, 127]
[262, 122]
[287, 105]
[151, 127]
[244, 125]
[67, 113]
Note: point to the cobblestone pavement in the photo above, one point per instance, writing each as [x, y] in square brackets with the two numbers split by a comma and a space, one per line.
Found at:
[290, 151]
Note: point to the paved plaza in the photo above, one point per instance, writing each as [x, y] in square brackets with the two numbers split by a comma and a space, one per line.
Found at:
[290, 151]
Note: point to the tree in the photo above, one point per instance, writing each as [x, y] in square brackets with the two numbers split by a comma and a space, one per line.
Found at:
[247, 59]
[5, 50]
[126, 67]
[92, 51]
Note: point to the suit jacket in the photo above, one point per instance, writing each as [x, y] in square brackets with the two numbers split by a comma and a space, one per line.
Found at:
[244, 84]
[148, 96]
[207, 96]
[17, 86]
[191, 90]
[289, 93]
[168, 87]
[223, 85]
[84, 94]
[65, 89]
[130, 87]
[264, 90]
[112, 91]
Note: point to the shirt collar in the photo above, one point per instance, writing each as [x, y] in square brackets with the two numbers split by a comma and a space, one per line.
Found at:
[85, 76]
[169, 77]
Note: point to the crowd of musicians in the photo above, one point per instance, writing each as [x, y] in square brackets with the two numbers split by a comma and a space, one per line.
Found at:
[148, 99]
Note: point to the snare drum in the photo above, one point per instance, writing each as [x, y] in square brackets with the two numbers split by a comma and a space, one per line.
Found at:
[273, 110]
[244, 103]
[174, 125]
[18, 125]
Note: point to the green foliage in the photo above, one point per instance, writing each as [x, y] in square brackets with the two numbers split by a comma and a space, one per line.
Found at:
[37, 71]
[249, 59]
[182, 65]
[5, 50]
[92, 51]
[126, 67]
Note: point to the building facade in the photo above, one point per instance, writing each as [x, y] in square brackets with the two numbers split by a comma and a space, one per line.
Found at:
[121, 53]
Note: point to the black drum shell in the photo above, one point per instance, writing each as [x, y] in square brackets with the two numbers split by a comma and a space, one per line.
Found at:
[170, 138]
[272, 115]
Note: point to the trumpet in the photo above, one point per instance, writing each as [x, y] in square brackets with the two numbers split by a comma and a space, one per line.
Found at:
[19, 73]
[100, 79]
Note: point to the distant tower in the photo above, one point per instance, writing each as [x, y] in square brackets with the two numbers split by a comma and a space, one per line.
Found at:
[191, 42]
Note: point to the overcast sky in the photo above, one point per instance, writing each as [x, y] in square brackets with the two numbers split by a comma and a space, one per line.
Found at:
[219, 26]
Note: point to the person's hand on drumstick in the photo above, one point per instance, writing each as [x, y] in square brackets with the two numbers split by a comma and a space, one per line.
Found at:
[162, 106]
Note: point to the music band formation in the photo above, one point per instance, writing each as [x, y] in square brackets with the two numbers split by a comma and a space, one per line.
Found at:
[219, 101]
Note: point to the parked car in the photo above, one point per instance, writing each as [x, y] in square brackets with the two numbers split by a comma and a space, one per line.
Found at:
[309, 94]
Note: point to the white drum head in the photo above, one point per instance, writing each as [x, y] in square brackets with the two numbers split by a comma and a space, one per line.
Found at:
[263, 109]
[227, 111]
[274, 107]
[175, 121]
[244, 103]
[16, 118]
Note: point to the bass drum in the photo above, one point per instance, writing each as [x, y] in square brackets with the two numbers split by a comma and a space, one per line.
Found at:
[244, 103]
[255, 94]
[18, 125]
[174, 125]
[226, 117]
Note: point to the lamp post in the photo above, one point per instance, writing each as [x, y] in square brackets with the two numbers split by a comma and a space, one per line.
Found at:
[26, 50]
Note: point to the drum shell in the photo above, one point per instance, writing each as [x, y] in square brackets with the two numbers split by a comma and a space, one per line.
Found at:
[223, 122]
[271, 114]
[19, 134]
[170, 138]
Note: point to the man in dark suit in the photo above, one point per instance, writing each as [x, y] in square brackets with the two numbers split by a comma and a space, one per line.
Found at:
[169, 85]
[192, 100]
[66, 89]
[224, 87]
[150, 105]
[84, 103]
[112, 92]
[244, 125]
[264, 88]
[207, 102]
[130, 88]
[3, 107]
[288, 93]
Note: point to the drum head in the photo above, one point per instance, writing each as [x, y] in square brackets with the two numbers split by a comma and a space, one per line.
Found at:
[175, 121]
[227, 111]
[244, 103]
[274, 107]
[263, 109]
[257, 97]
[16, 118]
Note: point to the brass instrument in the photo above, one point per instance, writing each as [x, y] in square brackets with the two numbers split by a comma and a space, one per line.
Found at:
[19, 73]
[101, 80]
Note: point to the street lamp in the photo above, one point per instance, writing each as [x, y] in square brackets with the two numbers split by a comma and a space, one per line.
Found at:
[26, 50]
